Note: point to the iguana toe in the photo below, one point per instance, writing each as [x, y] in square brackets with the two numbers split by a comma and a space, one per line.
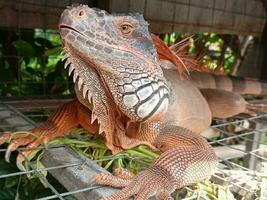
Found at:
[147, 183]
[123, 173]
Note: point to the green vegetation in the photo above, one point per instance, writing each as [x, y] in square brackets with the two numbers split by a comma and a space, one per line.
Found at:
[30, 63]
[93, 147]
[217, 50]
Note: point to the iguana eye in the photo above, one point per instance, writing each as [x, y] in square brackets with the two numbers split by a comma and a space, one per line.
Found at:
[126, 28]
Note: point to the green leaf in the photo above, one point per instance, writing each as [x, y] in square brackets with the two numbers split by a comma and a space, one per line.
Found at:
[70, 198]
[6, 168]
[43, 42]
[11, 181]
[109, 164]
[53, 52]
[24, 48]
[8, 194]
[30, 70]
[41, 167]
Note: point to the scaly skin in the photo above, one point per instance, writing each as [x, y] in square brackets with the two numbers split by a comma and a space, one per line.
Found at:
[120, 83]
[187, 158]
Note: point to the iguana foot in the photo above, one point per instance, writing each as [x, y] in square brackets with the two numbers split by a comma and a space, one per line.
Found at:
[30, 140]
[17, 139]
[153, 181]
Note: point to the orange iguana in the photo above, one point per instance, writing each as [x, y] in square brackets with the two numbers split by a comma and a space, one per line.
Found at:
[130, 97]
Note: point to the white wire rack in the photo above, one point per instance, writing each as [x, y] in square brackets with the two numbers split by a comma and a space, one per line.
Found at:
[240, 145]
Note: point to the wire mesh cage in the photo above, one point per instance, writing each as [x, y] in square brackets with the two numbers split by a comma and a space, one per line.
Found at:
[240, 145]
[30, 39]
[240, 142]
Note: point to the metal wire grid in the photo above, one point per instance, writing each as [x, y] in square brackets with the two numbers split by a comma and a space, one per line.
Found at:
[247, 135]
[225, 9]
[46, 3]
[237, 15]
[29, 83]
[45, 6]
[197, 4]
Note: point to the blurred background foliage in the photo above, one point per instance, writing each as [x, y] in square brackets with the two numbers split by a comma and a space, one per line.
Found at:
[30, 60]
[220, 52]
[30, 63]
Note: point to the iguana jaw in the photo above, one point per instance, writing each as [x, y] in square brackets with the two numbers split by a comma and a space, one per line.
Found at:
[127, 65]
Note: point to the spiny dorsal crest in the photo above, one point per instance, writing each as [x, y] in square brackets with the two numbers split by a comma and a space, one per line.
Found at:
[92, 90]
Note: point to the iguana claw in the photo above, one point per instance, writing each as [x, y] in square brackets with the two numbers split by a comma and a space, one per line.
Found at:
[29, 141]
[19, 162]
[12, 147]
[17, 141]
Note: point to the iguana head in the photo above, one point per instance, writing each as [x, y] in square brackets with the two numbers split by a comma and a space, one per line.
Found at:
[120, 49]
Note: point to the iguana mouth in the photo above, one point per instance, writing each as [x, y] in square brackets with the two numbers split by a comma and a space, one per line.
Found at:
[64, 26]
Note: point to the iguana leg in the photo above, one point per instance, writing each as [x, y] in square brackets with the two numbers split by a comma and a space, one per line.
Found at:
[224, 104]
[65, 118]
[187, 159]
[128, 143]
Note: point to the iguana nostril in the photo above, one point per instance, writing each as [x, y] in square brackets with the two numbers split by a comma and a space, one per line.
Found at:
[81, 13]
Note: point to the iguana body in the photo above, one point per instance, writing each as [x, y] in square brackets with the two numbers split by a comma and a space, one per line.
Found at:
[128, 96]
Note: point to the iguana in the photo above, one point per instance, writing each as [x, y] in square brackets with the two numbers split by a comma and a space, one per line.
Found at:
[130, 97]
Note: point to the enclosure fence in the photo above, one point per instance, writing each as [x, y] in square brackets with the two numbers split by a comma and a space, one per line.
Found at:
[240, 177]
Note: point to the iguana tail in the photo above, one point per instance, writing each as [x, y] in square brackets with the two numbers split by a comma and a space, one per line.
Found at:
[229, 83]
[257, 107]
[249, 86]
